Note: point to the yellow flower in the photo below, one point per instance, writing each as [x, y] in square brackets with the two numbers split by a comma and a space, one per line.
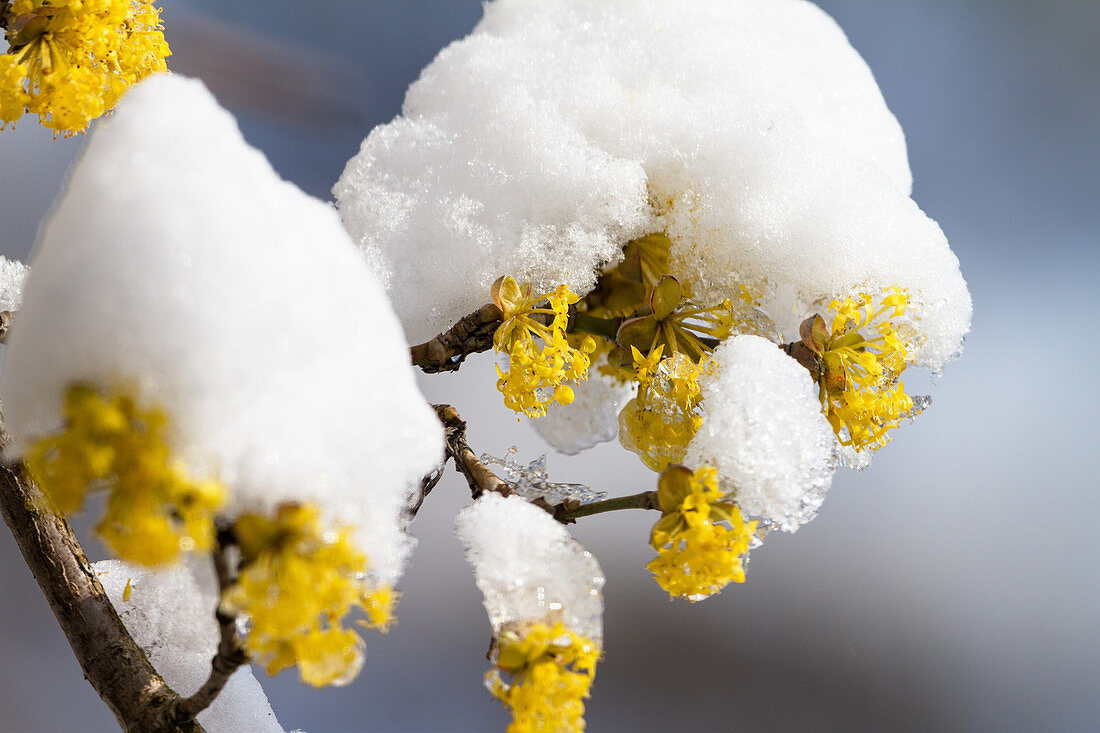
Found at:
[70, 60]
[543, 674]
[672, 320]
[662, 419]
[154, 509]
[297, 585]
[701, 541]
[859, 382]
[537, 374]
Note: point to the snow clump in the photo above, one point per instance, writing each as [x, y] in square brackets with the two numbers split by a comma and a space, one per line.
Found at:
[529, 569]
[749, 131]
[765, 433]
[12, 275]
[178, 267]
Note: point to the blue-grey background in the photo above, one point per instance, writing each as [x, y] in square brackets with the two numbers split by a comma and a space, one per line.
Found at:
[952, 586]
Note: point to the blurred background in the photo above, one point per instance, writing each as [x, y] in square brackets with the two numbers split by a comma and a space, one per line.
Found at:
[951, 586]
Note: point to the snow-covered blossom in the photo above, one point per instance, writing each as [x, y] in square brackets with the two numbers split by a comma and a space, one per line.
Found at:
[695, 173]
[193, 318]
[748, 132]
[543, 593]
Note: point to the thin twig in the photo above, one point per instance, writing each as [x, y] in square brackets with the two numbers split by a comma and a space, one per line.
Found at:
[6, 317]
[480, 478]
[471, 335]
[426, 485]
[568, 514]
[232, 652]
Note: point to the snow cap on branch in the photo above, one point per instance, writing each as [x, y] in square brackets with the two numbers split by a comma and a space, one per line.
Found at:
[765, 433]
[170, 614]
[528, 567]
[749, 131]
[179, 268]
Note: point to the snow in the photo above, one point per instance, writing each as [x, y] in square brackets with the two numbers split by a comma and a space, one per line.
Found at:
[170, 615]
[178, 266]
[12, 275]
[528, 568]
[749, 131]
[765, 433]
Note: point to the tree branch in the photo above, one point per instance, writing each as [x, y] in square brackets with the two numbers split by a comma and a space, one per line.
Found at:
[232, 652]
[426, 485]
[569, 513]
[480, 478]
[6, 317]
[471, 335]
[112, 662]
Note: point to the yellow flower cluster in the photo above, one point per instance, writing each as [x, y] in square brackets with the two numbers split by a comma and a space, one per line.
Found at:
[860, 387]
[701, 541]
[70, 60]
[543, 674]
[662, 419]
[537, 375]
[297, 584]
[154, 509]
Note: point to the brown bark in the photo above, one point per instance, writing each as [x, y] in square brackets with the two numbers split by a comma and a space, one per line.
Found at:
[112, 662]
[446, 352]
[477, 475]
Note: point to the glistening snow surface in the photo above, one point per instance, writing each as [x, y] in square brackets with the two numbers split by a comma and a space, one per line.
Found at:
[170, 615]
[765, 433]
[12, 275]
[750, 131]
[528, 567]
[178, 266]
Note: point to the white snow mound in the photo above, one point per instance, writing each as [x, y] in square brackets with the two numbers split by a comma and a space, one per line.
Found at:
[749, 131]
[178, 266]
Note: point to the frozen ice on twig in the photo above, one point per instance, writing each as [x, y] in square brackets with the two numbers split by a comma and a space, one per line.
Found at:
[532, 482]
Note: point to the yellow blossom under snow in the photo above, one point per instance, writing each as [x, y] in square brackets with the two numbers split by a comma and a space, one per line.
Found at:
[860, 387]
[659, 423]
[543, 673]
[701, 541]
[70, 60]
[537, 375]
[154, 509]
[297, 585]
